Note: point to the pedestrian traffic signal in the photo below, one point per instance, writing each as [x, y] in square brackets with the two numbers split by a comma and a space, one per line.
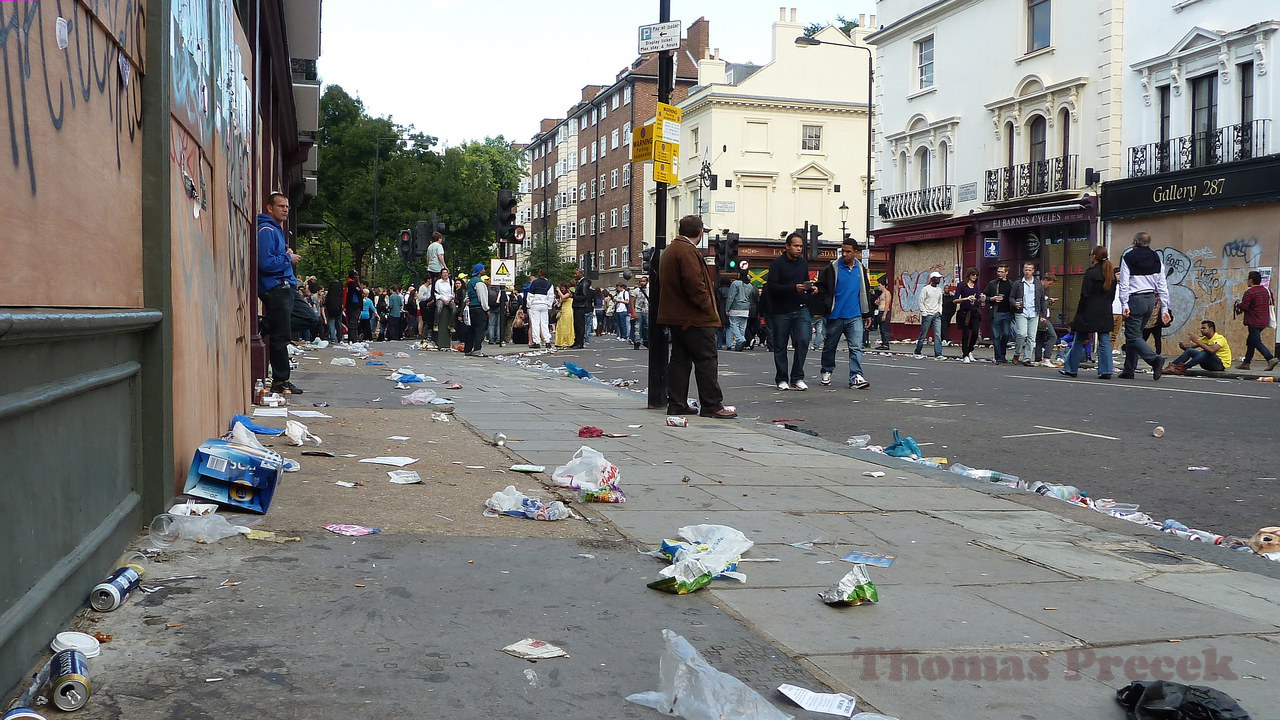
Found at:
[731, 252]
[814, 234]
[405, 247]
[646, 259]
[722, 259]
[506, 216]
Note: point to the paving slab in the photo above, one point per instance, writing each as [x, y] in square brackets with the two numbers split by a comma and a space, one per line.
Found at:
[761, 526]
[1024, 525]
[787, 498]
[905, 619]
[913, 498]
[853, 476]
[677, 495]
[990, 686]
[1235, 665]
[1074, 558]
[1242, 593]
[1102, 611]
[664, 474]
[817, 568]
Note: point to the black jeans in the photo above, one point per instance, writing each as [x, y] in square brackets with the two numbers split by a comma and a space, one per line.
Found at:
[694, 349]
[580, 325]
[278, 303]
[970, 322]
[473, 338]
[353, 323]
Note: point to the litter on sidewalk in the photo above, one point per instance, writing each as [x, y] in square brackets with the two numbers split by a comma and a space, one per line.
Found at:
[516, 504]
[350, 530]
[404, 477]
[855, 588]
[530, 649]
[868, 558]
[396, 460]
[828, 703]
[592, 476]
[689, 687]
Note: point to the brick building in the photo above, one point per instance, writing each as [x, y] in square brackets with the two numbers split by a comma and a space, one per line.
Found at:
[583, 190]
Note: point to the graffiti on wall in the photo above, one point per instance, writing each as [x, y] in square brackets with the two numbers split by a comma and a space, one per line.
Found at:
[1203, 284]
[79, 65]
[913, 262]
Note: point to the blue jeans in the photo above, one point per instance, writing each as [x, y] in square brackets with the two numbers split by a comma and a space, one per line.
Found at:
[796, 325]
[737, 331]
[819, 328]
[1044, 351]
[933, 322]
[1254, 342]
[1102, 352]
[495, 328]
[640, 332]
[623, 321]
[851, 329]
[1001, 331]
[333, 328]
[1203, 358]
[1024, 330]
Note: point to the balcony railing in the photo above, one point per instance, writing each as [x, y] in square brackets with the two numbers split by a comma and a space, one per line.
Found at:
[1223, 145]
[1033, 178]
[935, 200]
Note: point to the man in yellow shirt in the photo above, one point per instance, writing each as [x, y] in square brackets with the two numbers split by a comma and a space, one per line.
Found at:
[1210, 351]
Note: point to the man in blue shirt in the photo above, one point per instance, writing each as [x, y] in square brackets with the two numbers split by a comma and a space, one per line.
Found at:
[844, 298]
[277, 287]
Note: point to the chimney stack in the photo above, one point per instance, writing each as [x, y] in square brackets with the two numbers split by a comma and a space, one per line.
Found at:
[793, 14]
[782, 14]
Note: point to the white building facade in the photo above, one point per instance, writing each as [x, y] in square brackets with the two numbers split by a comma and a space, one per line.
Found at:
[1200, 172]
[994, 119]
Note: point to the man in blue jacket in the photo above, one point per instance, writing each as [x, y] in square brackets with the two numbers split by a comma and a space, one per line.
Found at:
[277, 287]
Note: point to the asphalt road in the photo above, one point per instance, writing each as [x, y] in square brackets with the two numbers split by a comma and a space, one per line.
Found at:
[1033, 423]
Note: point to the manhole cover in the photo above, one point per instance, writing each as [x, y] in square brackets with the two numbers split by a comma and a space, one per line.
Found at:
[1156, 558]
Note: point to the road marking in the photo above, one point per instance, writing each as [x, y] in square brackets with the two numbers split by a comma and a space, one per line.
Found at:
[1163, 388]
[924, 402]
[1058, 431]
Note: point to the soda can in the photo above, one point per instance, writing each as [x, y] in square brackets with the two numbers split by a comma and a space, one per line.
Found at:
[22, 714]
[71, 686]
[110, 593]
[499, 439]
[677, 421]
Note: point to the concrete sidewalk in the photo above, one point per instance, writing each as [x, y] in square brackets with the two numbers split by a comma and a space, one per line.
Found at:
[1001, 604]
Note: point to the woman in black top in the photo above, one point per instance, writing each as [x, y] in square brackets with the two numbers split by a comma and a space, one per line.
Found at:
[1093, 315]
[968, 316]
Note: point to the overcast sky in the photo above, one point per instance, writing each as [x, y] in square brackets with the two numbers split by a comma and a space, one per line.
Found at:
[470, 69]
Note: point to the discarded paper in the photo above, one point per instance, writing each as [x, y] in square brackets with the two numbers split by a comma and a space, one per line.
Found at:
[396, 460]
[531, 649]
[829, 703]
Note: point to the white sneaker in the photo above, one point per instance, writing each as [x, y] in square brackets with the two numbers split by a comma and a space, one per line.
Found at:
[783, 386]
[965, 360]
[826, 378]
[799, 385]
[1046, 363]
[918, 356]
[860, 382]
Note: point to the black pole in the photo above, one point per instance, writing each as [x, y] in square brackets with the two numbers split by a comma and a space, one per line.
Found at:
[658, 349]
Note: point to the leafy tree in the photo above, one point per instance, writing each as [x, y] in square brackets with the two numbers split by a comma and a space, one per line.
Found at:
[846, 26]
[545, 253]
[363, 157]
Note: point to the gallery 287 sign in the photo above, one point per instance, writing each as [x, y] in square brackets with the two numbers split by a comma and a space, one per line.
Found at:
[1215, 186]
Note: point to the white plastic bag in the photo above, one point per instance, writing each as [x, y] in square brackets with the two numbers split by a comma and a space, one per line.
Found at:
[298, 433]
[344, 362]
[719, 547]
[423, 396]
[588, 470]
[244, 436]
[690, 688]
[515, 503]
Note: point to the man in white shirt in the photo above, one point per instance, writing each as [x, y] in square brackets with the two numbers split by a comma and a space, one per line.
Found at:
[1142, 289]
[931, 315]
[1029, 305]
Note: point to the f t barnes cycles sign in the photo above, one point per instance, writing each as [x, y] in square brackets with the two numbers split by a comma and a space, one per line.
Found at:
[1213, 186]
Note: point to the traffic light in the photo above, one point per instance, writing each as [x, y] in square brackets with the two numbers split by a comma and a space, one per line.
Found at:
[731, 252]
[421, 238]
[405, 246]
[506, 216]
[722, 258]
[646, 259]
[814, 234]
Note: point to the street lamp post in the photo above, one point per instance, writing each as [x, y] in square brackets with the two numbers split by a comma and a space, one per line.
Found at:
[806, 41]
[844, 220]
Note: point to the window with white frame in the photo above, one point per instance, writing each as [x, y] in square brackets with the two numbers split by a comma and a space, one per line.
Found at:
[616, 98]
[613, 257]
[613, 178]
[1038, 24]
[593, 187]
[601, 222]
[582, 227]
[593, 224]
[924, 63]
[626, 215]
[626, 256]
[573, 231]
[593, 152]
[613, 217]
[626, 175]
[604, 145]
[593, 116]
[811, 138]
[583, 157]
[626, 95]
[573, 195]
[582, 192]
[626, 133]
[602, 185]
[693, 135]
[604, 110]
[582, 123]
[613, 139]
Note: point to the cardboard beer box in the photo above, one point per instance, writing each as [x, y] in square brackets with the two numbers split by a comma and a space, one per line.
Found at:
[236, 475]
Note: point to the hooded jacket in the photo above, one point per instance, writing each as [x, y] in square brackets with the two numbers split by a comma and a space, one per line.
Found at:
[824, 301]
[274, 264]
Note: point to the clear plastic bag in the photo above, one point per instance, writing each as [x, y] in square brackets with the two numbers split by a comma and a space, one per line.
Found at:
[419, 397]
[689, 687]
[588, 470]
[167, 529]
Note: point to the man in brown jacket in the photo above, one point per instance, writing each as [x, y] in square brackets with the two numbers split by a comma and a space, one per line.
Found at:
[687, 306]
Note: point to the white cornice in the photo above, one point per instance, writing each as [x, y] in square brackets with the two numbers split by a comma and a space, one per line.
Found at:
[928, 15]
[774, 103]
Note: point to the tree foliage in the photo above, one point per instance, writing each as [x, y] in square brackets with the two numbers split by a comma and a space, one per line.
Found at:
[846, 26]
[363, 158]
[545, 253]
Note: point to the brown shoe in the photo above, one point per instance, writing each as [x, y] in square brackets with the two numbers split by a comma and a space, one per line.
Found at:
[1176, 369]
[725, 413]
[1243, 365]
[1271, 364]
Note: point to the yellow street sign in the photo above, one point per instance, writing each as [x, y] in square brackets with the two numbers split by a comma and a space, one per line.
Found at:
[642, 143]
[666, 152]
[665, 173]
[669, 112]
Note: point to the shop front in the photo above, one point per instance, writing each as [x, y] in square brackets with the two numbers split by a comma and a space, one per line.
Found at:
[1212, 226]
[913, 253]
[1057, 239]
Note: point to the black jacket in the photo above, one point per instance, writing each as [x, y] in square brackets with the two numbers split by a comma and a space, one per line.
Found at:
[1094, 312]
[583, 297]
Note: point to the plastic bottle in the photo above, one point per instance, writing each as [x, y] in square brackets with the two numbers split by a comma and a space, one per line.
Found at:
[999, 477]
[858, 441]
[258, 389]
